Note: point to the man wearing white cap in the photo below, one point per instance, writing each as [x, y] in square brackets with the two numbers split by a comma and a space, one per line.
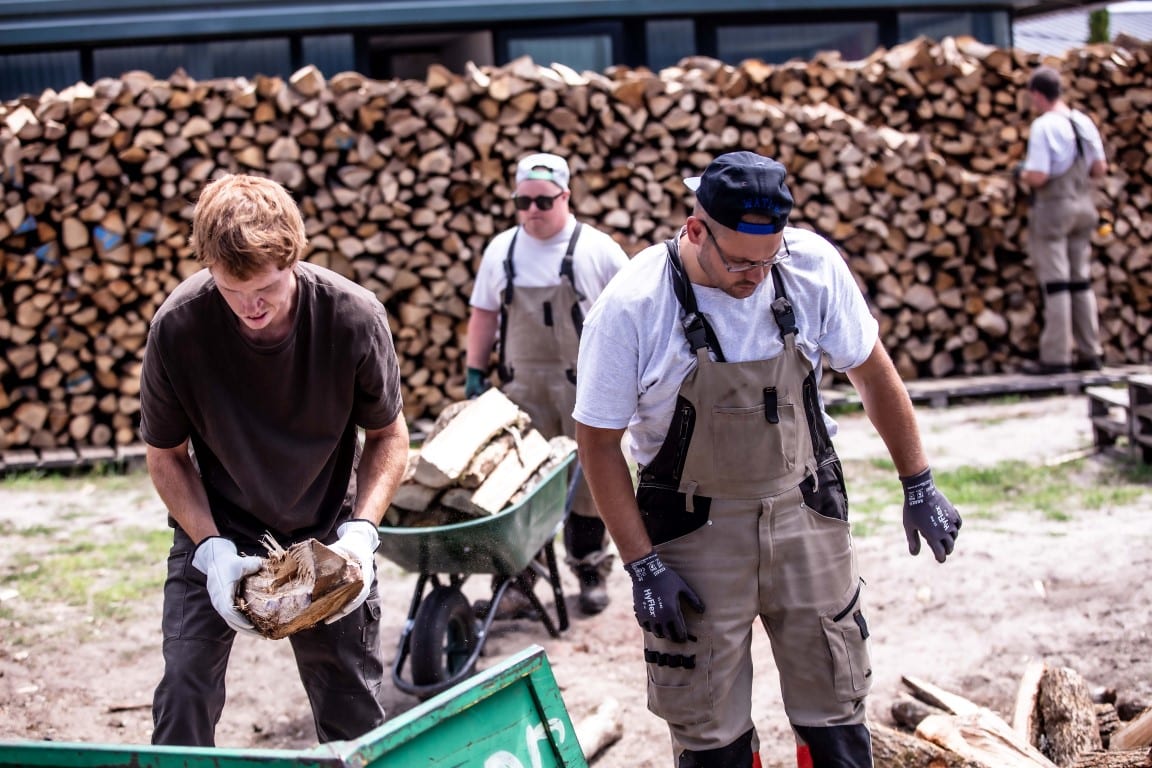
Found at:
[534, 285]
[707, 350]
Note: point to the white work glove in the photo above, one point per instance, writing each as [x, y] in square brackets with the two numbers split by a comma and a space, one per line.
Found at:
[217, 559]
[358, 539]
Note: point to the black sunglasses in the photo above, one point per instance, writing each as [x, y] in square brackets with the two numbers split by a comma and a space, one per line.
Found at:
[543, 202]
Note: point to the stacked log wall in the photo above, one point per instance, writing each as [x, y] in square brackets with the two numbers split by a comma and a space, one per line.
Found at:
[904, 159]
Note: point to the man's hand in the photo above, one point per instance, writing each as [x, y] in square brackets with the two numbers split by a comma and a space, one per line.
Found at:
[475, 383]
[929, 514]
[223, 567]
[656, 593]
[358, 539]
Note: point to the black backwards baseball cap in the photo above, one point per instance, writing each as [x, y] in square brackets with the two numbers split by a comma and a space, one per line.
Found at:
[740, 184]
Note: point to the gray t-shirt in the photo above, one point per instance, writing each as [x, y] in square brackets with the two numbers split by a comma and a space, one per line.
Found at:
[634, 355]
[273, 428]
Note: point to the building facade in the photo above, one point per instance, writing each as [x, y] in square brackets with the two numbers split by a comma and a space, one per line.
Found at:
[56, 43]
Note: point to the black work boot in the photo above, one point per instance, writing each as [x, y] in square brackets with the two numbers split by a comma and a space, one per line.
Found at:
[592, 574]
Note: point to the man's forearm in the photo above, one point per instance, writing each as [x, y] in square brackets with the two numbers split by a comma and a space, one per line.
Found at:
[889, 408]
[382, 464]
[610, 481]
[182, 491]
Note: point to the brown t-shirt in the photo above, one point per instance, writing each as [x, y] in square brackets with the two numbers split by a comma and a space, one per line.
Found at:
[273, 429]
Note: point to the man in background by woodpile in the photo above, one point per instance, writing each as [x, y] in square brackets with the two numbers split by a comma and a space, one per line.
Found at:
[535, 283]
[1064, 154]
[707, 349]
[257, 373]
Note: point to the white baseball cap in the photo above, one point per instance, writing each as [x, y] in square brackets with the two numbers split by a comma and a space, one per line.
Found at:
[545, 167]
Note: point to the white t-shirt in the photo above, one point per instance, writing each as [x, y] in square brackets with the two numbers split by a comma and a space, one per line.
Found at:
[1052, 144]
[537, 264]
[634, 355]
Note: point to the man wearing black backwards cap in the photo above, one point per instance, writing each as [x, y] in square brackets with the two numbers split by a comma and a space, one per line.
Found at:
[707, 349]
[1065, 154]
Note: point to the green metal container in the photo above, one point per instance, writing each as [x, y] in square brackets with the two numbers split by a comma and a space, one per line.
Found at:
[502, 543]
[510, 716]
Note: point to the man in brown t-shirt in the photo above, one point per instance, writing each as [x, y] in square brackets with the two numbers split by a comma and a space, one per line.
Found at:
[259, 372]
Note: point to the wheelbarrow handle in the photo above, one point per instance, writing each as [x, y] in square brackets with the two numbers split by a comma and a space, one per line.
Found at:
[573, 482]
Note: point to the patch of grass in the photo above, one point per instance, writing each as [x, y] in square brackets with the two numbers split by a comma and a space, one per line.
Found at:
[983, 493]
[105, 579]
[100, 476]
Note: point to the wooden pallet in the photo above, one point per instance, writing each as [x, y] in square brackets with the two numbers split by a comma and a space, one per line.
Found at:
[1122, 416]
[939, 393]
[123, 457]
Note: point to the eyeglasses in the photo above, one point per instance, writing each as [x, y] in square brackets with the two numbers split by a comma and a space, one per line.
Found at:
[745, 266]
[543, 202]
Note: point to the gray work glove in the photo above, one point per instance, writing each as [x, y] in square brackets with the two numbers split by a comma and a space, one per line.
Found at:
[358, 540]
[656, 593]
[929, 514]
[223, 567]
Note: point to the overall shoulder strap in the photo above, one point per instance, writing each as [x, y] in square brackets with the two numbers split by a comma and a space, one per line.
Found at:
[782, 308]
[696, 326]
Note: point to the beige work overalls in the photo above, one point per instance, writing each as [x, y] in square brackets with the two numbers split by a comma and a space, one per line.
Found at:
[1063, 218]
[745, 501]
[540, 339]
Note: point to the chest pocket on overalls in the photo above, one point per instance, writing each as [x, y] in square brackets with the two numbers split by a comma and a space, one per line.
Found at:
[760, 437]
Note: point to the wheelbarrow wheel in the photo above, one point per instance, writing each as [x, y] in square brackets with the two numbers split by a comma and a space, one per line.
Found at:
[443, 636]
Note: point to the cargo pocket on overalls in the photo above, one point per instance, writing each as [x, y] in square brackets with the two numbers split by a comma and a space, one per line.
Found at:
[761, 436]
[824, 492]
[847, 634]
[666, 513]
[678, 677]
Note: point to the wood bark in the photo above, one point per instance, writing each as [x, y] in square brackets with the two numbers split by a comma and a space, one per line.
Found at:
[1068, 716]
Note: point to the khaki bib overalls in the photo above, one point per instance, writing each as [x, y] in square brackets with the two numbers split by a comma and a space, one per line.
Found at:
[1063, 218]
[540, 339]
[745, 500]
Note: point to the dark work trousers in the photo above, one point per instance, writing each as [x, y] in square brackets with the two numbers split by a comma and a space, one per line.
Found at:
[340, 664]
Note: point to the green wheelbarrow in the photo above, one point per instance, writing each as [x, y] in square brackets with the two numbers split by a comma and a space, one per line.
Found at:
[442, 637]
[510, 716]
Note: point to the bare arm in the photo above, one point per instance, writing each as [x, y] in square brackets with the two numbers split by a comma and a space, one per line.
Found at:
[181, 490]
[382, 465]
[890, 410]
[1098, 168]
[1034, 179]
[610, 481]
[482, 324]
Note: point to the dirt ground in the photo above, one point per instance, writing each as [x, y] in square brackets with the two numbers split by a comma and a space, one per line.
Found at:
[1021, 586]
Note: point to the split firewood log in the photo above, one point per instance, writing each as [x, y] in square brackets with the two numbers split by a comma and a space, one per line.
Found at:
[1068, 716]
[1132, 758]
[298, 587]
[894, 749]
[1134, 734]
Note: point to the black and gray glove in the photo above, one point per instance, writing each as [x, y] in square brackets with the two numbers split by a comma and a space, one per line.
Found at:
[656, 593]
[929, 514]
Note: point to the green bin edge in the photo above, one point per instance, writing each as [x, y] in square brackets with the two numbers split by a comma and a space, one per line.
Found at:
[528, 667]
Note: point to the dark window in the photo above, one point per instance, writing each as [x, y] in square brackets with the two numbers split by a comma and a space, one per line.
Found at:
[29, 74]
[776, 43]
[202, 61]
[329, 53]
[669, 41]
[989, 27]
[594, 46]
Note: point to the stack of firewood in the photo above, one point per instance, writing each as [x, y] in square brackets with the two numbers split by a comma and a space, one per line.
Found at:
[1057, 723]
[904, 159]
[480, 457]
